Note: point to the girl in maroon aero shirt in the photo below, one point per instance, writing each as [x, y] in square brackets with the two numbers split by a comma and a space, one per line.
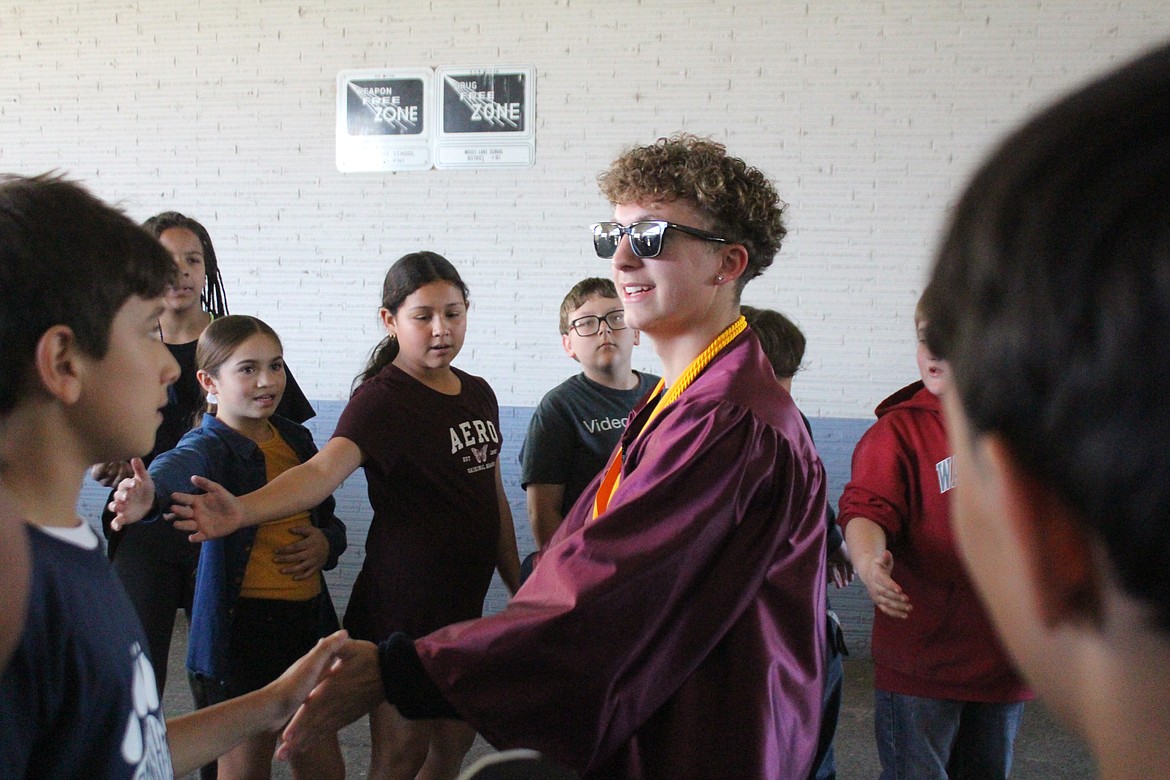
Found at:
[427, 435]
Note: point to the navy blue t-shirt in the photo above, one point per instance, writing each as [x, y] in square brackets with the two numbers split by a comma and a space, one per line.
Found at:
[79, 698]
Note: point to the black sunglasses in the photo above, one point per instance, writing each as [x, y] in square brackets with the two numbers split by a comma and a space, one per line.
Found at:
[645, 237]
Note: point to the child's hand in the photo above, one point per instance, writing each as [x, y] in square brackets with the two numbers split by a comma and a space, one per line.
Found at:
[886, 594]
[134, 497]
[110, 474]
[286, 693]
[840, 569]
[303, 559]
[211, 515]
[352, 687]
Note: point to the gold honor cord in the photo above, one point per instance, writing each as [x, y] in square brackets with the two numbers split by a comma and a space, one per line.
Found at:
[613, 475]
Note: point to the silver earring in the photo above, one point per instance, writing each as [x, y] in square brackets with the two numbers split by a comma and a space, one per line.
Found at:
[212, 398]
[719, 278]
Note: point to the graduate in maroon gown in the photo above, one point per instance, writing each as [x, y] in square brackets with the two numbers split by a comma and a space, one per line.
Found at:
[674, 626]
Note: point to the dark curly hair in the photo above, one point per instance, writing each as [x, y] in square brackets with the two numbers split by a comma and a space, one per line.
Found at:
[738, 199]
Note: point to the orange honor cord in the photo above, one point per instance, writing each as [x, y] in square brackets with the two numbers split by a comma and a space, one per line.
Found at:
[613, 474]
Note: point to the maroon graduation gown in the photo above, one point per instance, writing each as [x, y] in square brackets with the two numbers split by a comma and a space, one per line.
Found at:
[679, 634]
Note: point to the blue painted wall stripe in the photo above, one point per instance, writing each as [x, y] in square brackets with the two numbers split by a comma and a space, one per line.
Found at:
[835, 437]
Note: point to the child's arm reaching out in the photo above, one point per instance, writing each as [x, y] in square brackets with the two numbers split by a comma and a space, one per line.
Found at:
[134, 498]
[874, 564]
[218, 513]
[204, 735]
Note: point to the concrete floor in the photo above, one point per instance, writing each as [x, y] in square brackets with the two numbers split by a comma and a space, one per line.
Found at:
[1044, 750]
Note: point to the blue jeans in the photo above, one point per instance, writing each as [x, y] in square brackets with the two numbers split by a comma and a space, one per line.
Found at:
[936, 739]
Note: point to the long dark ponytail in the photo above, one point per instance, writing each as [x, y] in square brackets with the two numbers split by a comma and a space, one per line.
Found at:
[408, 273]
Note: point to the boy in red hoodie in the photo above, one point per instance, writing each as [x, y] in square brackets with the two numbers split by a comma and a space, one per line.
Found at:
[947, 701]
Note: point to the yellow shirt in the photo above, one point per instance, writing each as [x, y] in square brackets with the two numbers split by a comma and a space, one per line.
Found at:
[262, 577]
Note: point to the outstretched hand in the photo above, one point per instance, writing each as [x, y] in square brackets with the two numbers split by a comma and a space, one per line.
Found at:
[198, 737]
[211, 515]
[133, 497]
[886, 594]
[351, 688]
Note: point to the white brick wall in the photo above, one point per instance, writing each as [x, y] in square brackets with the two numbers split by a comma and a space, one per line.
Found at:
[868, 115]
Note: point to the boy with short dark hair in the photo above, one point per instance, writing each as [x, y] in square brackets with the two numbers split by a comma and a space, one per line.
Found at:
[1056, 275]
[84, 378]
[783, 343]
[578, 423]
[781, 339]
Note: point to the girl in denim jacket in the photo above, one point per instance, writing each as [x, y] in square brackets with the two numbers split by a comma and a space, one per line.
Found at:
[260, 598]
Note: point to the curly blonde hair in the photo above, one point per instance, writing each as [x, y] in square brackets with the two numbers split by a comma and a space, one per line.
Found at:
[739, 200]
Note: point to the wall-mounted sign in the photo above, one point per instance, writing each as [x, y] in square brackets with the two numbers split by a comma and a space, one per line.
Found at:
[385, 106]
[487, 117]
[383, 119]
[414, 118]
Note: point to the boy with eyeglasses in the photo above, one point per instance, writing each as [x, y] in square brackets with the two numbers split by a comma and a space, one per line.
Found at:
[578, 422]
[675, 624]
